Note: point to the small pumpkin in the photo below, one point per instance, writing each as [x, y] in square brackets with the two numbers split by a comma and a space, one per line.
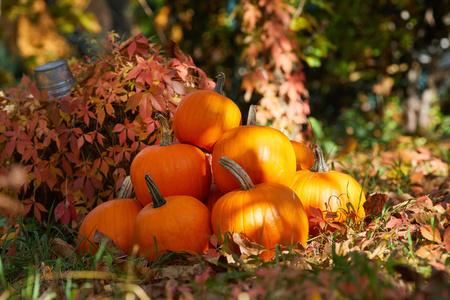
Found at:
[265, 153]
[115, 219]
[304, 155]
[176, 223]
[203, 116]
[177, 169]
[327, 190]
[268, 213]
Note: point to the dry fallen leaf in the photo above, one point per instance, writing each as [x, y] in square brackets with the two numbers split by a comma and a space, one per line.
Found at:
[247, 247]
[431, 233]
[99, 237]
[61, 248]
[374, 204]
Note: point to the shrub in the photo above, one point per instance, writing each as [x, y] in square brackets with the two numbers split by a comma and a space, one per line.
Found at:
[77, 150]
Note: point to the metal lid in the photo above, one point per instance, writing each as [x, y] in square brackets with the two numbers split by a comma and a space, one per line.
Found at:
[50, 65]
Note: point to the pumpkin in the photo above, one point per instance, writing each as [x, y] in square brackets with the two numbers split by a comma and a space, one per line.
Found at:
[304, 155]
[268, 213]
[115, 219]
[178, 169]
[329, 191]
[176, 223]
[203, 116]
[265, 153]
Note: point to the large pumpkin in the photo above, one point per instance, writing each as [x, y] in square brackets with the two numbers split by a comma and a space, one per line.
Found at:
[304, 155]
[178, 169]
[203, 116]
[176, 223]
[327, 190]
[266, 154]
[267, 213]
[115, 219]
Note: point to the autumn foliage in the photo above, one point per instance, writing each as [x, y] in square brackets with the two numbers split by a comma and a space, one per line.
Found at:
[77, 150]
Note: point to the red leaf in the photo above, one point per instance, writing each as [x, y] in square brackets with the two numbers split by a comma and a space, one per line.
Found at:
[89, 189]
[158, 102]
[40, 206]
[134, 73]
[37, 213]
[101, 116]
[131, 49]
[178, 87]
[26, 209]
[80, 142]
[25, 80]
[134, 101]
[118, 128]
[122, 137]
[393, 223]
[145, 108]
[131, 134]
[59, 210]
[10, 147]
[316, 212]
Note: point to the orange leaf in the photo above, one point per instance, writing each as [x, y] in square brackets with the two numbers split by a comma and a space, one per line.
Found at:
[431, 234]
[447, 235]
[428, 251]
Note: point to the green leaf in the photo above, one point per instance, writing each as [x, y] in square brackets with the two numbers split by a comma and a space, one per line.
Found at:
[313, 61]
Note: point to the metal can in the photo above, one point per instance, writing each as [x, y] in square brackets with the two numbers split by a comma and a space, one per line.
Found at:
[55, 77]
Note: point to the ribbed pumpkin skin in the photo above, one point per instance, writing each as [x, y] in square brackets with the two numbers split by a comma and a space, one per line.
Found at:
[182, 224]
[329, 191]
[115, 219]
[265, 153]
[203, 116]
[178, 169]
[304, 155]
[269, 214]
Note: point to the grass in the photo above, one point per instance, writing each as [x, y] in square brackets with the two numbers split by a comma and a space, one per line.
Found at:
[388, 256]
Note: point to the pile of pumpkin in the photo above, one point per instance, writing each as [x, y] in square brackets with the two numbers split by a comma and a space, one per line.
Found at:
[221, 177]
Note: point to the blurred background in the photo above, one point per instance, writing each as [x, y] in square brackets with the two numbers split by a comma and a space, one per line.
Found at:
[359, 71]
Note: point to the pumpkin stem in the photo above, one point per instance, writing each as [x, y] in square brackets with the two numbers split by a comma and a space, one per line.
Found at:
[251, 118]
[157, 198]
[126, 190]
[319, 161]
[166, 138]
[244, 180]
[220, 83]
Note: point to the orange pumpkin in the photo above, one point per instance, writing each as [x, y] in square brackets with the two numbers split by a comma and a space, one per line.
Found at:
[328, 190]
[115, 219]
[176, 223]
[203, 116]
[267, 213]
[304, 155]
[178, 169]
[265, 153]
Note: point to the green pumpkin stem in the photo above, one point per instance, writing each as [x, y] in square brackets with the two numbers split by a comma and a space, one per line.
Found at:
[319, 161]
[244, 180]
[166, 138]
[251, 118]
[220, 83]
[157, 198]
